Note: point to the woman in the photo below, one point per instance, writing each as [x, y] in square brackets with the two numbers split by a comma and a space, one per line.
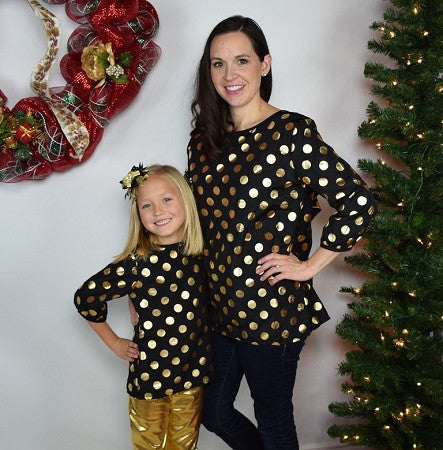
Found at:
[256, 172]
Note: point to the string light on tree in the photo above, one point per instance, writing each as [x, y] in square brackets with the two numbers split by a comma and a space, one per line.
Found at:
[394, 373]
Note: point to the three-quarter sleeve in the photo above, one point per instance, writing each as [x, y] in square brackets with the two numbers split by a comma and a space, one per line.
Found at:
[114, 281]
[320, 168]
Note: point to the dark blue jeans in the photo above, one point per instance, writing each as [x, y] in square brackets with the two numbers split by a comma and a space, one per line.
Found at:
[270, 374]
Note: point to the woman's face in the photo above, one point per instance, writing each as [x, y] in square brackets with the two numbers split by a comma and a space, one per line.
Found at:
[236, 70]
[161, 209]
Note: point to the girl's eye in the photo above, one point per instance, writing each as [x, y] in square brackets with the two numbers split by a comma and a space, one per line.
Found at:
[167, 199]
[146, 206]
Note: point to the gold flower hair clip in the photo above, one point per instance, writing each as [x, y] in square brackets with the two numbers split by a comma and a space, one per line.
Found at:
[133, 179]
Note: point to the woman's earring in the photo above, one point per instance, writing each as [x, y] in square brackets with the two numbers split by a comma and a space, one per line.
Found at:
[263, 75]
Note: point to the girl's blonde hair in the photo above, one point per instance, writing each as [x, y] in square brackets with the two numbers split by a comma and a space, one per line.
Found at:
[141, 242]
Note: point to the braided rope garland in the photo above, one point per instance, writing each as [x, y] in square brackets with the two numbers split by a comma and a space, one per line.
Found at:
[109, 57]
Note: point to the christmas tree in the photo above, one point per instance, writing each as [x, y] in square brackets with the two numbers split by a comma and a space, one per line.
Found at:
[393, 373]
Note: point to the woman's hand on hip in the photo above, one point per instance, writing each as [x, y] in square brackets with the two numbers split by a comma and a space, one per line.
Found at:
[289, 267]
[283, 267]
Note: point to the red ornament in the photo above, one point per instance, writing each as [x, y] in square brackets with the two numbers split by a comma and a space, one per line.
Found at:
[25, 133]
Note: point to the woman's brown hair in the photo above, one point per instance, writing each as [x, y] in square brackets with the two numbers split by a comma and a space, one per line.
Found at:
[211, 117]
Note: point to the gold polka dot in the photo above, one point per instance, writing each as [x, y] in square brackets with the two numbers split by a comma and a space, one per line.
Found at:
[270, 159]
[154, 365]
[331, 237]
[359, 220]
[323, 165]
[170, 320]
[144, 376]
[362, 200]
[345, 229]
[249, 282]
[144, 304]
[264, 314]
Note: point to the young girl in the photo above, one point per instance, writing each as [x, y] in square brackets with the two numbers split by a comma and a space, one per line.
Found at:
[161, 270]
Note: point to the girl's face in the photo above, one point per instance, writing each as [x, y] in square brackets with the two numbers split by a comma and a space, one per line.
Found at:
[161, 209]
[236, 70]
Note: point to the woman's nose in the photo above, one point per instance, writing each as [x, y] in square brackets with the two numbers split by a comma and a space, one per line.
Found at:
[230, 72]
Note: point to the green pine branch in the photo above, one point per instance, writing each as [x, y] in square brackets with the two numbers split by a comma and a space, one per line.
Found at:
[394, 372]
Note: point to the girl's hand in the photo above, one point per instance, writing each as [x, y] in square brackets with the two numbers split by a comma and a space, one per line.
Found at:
[125, 349]
[132, 314]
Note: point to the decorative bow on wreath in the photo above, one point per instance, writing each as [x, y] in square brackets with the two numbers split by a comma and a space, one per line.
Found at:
[109, 56]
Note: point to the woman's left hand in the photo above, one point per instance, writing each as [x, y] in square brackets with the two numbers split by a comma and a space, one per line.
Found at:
[289, 267]
[282, 267]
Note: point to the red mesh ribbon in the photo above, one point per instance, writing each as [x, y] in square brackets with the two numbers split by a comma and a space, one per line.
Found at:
[129, 26]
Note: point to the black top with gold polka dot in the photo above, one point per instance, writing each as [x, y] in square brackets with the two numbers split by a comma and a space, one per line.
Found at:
[168, 291]
[261, 197]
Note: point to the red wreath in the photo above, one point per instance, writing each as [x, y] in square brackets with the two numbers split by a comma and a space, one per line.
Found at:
[109, 56]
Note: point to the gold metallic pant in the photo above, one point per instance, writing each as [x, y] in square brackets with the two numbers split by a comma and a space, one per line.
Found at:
[168, 423]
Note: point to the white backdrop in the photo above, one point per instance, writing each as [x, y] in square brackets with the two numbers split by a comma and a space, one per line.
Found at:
[60, 387]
